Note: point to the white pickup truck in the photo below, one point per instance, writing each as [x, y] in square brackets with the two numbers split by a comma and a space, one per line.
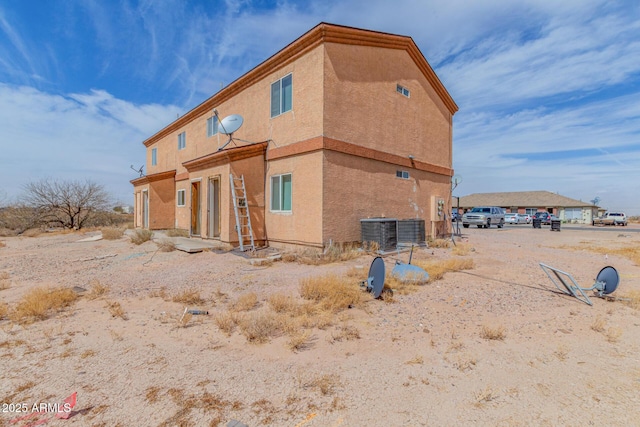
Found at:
[610, 218]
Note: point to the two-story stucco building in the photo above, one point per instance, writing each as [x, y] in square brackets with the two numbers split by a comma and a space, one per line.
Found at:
[342, 124]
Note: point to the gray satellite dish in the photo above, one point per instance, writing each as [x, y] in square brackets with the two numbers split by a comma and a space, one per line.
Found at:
[606, 282]
[375, 281]
[231, 123]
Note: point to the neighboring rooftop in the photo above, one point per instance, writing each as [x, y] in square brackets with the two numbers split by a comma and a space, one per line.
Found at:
[521, 199]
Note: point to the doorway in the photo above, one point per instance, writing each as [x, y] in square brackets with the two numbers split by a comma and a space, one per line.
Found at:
[195, 208]
[145, 209]
[214, 208]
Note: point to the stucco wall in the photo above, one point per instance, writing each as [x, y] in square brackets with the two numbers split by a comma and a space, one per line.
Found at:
[161, 204]
[356, 188]
[363, 107]
[303, 225]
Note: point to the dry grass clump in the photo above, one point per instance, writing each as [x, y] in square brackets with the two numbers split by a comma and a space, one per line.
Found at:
[32, 232]
[333, 253]
[39, 303]
[177, 232]
[112, 233]
[371, 246]
[631, 298]
[259, 327]
[325, 384]
[462, 249]
[190, 296]
[299, 341]
[495, 334]
[5, 283]
[141, 236]
[345, 333]
[4, 310]
[226, 321]
[630, 251]
[245, 302]
[116, 310]
[331, 293]
[437, 269]
[485, 396]
[97, 290]
[599, 324]
[440, 243]
[2, 244]
[166, 245]
[281, 303]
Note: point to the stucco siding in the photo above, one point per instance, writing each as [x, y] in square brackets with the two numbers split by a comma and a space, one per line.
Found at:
[363, 107]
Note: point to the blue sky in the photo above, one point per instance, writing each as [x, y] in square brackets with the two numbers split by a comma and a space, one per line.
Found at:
[549, 92]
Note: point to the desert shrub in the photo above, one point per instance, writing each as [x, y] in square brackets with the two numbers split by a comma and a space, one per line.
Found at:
[38, 303]
[141, 235]
[439, 243]
[17, 219]
[190, 296]
[226, 321]
[166, 245]
[331, 293]
[112, 233]
[496, 334]
[258, 327]
[177, 232]
[245, 302]
[116, 310]
[333, 253]
[437, 269]
[5, 283]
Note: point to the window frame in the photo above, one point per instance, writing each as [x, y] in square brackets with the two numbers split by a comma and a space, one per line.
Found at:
[281, 193]
[403, 90]
[182, 140]
[154, 156]
[281, 96]
[216, 124]
[184, 198]
[402, 174]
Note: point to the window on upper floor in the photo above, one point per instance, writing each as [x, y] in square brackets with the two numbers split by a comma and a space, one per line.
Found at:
[281, 95]
[402, 174]
[154, 156]
[182, 140]
[281, 193]
[403, 90]
[212, 126]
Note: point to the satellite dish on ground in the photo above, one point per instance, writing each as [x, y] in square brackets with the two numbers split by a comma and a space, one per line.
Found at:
[606, 282]
[231, 123]
[375, 280]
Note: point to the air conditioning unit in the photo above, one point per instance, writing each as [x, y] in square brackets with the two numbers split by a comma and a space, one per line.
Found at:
[383, 231]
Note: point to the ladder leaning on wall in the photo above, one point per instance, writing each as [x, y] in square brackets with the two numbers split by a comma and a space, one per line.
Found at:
[241, 209]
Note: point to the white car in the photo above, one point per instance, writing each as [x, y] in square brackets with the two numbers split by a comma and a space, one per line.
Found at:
[514, 218]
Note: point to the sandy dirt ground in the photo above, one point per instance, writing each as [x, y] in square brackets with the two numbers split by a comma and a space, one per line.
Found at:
[493, 346]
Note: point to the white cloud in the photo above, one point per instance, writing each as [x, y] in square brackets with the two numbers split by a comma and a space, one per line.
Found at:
[78, 136]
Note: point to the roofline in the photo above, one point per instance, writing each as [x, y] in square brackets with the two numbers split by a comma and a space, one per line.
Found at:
[153, 177]
[321, 33]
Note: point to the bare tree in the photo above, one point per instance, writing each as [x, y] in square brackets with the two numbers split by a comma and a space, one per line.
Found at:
[68, 204]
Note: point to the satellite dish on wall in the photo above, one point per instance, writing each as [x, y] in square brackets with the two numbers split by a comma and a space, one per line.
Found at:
[228, 126]
[231, 123]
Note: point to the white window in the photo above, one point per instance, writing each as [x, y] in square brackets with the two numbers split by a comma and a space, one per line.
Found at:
[281, 193]
[212, 126]
[281, 95]
[182, 140]
[154, 156]
[403, 90]
[402, 174]
[181, 198]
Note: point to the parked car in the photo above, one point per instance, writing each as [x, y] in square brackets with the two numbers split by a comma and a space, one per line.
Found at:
[528, 218]
[455, 216]
[484, 216]
[545, 217]
[611, 218]
[515, 218]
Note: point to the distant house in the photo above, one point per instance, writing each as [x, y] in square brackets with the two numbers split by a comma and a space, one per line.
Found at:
[340, 125]
[530, 202]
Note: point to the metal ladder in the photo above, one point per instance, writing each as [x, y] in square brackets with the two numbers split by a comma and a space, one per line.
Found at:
[241, 209]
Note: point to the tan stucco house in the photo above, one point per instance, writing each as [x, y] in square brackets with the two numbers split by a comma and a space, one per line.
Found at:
[529, 202]
[340, 125]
